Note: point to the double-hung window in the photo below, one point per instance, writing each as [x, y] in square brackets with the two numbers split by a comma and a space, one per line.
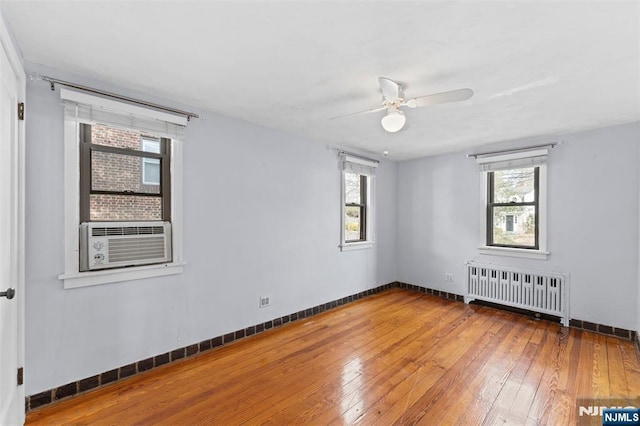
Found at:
[123, 191]
[124, 175]
[355, 207]
[512, 195]
[513, 211]
[357, 202]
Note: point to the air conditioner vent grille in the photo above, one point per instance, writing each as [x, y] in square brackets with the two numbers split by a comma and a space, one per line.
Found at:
[126, 230]
[128, 249]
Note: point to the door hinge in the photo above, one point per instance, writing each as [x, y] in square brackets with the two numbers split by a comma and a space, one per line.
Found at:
[21, 111]
[20, 376]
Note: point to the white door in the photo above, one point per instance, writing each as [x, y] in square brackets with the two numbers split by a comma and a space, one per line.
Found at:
[11, 395]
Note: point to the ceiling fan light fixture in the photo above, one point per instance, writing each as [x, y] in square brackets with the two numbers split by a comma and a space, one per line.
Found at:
[393, 121]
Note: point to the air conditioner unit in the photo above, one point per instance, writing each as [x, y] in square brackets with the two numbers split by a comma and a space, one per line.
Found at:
[118, 244]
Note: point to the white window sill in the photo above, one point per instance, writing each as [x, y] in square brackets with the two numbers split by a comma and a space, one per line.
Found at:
[514, 252]
[356, 246]
[85, 279]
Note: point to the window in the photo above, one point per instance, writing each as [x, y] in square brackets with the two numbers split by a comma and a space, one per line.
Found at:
[118, 180]
[513, 211]
[355, 220]
[509, 223]
[513, 193]
[357, 202]
[151, 166]
[123, 163]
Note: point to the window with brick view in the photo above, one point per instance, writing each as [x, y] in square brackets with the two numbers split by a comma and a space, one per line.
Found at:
[124, 175]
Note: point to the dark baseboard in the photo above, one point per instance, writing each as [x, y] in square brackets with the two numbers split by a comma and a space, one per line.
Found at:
[425, 290]
[603, 329]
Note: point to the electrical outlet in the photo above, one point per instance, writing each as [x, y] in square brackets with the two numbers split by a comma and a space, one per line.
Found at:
[448, 277]
[264, 301]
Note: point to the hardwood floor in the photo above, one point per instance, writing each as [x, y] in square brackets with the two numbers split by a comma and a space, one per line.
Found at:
[398, 357]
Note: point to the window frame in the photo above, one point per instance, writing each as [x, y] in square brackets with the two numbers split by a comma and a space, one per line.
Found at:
[366, 169]
[86, 150]
[72, 277]
[491, 204]
[541, 253]
[362, 207]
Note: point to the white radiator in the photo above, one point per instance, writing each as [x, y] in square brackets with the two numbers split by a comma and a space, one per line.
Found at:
[544, 292]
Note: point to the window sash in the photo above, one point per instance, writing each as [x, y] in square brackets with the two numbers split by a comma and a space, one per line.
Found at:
[491, 205]
[147, 162]
[363, 221]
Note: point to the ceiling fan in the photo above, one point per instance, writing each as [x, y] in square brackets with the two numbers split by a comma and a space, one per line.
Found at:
[393, 99]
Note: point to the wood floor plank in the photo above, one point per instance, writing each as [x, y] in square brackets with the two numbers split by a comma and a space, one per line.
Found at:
[397, 357]
[601, 387]
[579, 382]
[499, 410]
[618, 385]
[523, 400]
[631, 366]
[554, 375]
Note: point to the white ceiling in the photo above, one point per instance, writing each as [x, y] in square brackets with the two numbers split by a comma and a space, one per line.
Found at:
[537, 67]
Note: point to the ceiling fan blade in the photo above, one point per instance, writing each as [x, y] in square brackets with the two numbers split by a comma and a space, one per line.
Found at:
[440, 98]
[360, 112]
[390, 89]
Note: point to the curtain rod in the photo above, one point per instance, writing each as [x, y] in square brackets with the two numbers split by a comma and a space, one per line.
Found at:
[54, 81]
[505, 151]
[340, 152]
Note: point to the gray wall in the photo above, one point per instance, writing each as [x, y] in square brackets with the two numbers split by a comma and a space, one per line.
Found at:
[593, 192]
[262, 216]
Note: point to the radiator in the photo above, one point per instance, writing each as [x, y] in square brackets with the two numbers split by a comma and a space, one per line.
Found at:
[544, 292]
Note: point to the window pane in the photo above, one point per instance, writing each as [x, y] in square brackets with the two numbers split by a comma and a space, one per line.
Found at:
[124, 207]
[352, 188]
[151, 171]
[514, 226]
[352, 223]
[151, 145]
[118, 172]
[515, 185]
